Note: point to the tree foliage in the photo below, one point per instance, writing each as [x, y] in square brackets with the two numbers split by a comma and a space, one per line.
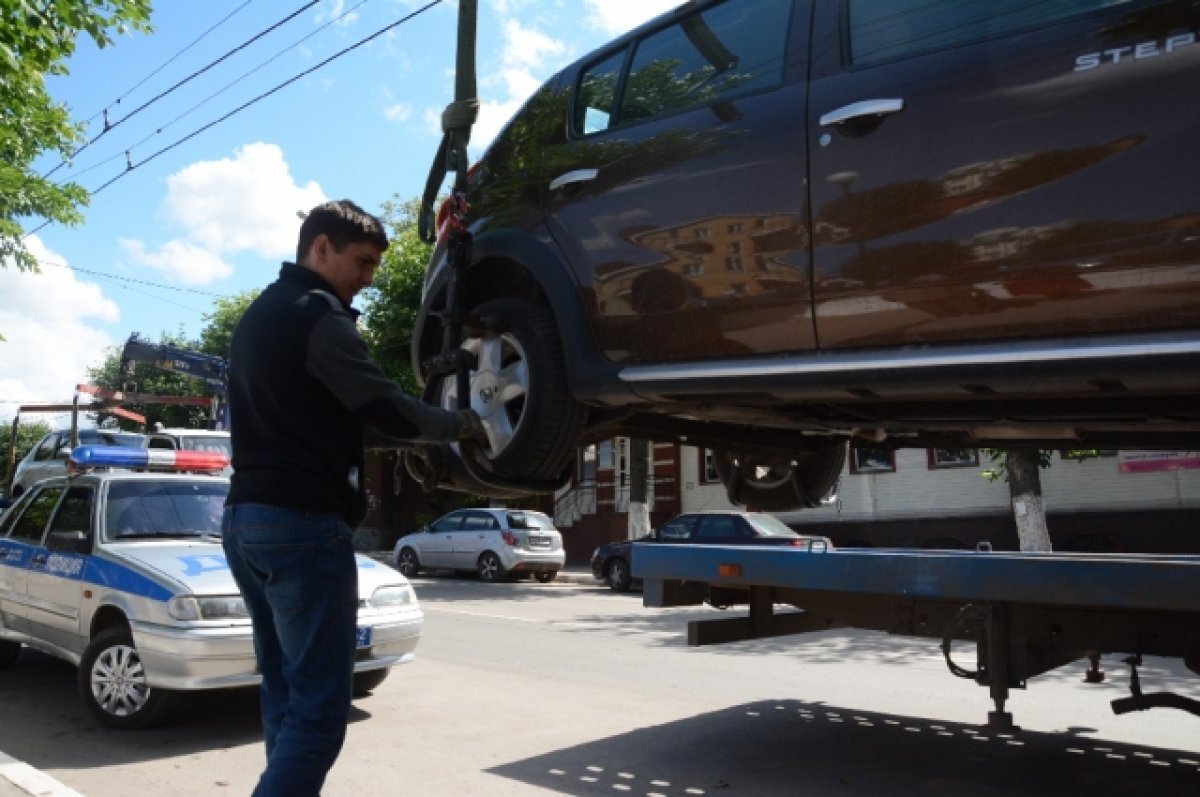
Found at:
[36, 39]
[28, 434]
[393, 302]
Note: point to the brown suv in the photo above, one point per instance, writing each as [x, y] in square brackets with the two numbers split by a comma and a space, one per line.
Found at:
[771, 226]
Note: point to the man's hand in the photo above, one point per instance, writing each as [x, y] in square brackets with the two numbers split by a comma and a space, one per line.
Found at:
[470, 427]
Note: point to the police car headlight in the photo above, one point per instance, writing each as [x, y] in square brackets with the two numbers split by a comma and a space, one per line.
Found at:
[393, 597]
[215, 607]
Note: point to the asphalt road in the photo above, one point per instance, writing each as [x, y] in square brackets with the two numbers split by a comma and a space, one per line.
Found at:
[525, 689]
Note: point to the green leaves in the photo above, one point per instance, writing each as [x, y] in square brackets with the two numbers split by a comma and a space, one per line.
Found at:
[37, 39]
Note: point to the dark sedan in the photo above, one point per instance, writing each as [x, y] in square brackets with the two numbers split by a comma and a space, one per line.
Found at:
[611, 561]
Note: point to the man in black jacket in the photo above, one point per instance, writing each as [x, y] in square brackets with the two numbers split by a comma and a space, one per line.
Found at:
[303, 393]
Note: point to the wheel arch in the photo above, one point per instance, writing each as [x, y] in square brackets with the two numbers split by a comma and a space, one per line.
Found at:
[514, 264]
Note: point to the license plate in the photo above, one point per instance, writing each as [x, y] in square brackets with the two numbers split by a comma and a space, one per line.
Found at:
[363, 637]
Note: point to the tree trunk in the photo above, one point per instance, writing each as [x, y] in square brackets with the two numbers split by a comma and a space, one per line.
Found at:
[639, 481]
[1028, 506]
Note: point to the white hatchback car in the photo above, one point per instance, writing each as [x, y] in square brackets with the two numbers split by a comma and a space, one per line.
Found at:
[495, 543]
[122, 573]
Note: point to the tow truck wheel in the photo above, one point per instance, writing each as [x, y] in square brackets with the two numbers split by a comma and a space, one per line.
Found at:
[113, 684]
[366, 682]
[519, 387]
[782, 482]
[8, 653]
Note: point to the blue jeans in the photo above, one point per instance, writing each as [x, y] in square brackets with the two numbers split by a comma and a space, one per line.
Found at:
[299, 579]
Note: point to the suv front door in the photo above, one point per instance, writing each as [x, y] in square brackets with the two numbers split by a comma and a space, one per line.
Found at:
[678, 194]
[958, 202]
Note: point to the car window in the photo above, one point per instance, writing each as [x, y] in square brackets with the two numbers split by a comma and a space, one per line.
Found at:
[529, 520]
[714, 527]
[885, 31]
[448, 523]
[477, 521]
[596, 95]
[47, 447]
[70, 520]
[160, 443]
[146, 508]
[733, 47]
[109, 437]
[32, 522]
[9, 518]
[678, 529]
[211, 444]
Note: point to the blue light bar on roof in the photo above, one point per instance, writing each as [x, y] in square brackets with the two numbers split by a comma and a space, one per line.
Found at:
[149, 459]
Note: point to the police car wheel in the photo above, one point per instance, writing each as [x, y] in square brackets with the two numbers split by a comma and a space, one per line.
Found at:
[113, 684]
[8, 653]
[365, 682]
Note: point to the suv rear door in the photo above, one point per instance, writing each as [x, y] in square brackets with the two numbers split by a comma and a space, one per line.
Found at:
[1039, 179]
[678, 193]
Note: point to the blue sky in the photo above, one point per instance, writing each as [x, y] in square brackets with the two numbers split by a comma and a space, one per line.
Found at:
[215, 214]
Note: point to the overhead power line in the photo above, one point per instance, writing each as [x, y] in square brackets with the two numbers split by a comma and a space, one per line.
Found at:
[111, 126]
[130, 166]
[158, 130]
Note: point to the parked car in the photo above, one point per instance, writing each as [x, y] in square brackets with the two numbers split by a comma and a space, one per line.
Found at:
[495, 543]
[611, 562]
[769, 227]
[122, 573]
[49, 457]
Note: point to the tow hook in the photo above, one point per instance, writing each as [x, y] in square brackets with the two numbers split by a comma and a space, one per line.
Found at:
[1140, 701]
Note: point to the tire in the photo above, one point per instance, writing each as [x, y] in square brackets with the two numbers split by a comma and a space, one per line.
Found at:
[618, 576]
[408, 563]
[8, 653]
[367, 682]
[490, 568]
[519, 388]
[783, 482]
[113, 683]
[546, 577]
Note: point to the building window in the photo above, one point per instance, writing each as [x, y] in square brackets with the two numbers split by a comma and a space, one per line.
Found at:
[604, 455]
[953, 458]
[872, 460]
[734, 228]
[708, 467]
[733, 264]
[587, 464]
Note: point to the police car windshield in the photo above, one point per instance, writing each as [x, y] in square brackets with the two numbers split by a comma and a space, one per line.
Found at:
[145, 508]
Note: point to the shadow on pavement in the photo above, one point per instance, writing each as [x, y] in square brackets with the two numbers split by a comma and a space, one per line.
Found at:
[41, 702]
[804, 748]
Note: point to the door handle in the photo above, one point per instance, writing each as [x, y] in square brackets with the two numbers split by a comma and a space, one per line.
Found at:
[575, 176]
[860, 110]
[39, 559]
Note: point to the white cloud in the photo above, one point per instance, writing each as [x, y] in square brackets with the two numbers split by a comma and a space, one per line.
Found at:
[400, 112]
[615, 17]
[246, 203]
[51, 325]
[523, 69]
[180, 261]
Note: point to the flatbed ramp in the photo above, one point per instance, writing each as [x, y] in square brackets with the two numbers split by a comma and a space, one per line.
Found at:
[1027, 613]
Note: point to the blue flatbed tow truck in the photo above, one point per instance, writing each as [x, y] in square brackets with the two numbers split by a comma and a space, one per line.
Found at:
[1027, 613]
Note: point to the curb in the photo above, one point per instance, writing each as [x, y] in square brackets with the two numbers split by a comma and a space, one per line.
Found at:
[572, 576]
[18, 779]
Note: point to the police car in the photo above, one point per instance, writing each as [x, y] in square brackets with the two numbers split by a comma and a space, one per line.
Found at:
[118, 568]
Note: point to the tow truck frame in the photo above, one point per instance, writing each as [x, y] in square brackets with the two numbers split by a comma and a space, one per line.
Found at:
[1027, 613]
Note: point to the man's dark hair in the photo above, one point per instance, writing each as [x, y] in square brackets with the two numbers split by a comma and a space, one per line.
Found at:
[344, 223]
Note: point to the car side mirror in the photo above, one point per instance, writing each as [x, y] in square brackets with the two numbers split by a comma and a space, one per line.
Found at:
[63, 452]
